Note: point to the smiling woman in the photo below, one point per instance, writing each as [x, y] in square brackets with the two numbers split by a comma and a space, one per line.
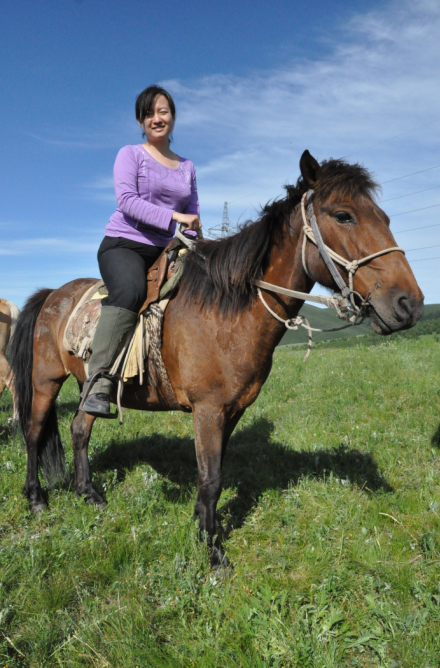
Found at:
[155, 190]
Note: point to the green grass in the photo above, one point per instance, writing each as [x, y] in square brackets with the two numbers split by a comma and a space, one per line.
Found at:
[322, 318]
[327, 318]
[330, 514]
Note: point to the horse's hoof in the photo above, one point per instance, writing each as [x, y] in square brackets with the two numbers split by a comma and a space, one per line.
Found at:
[37, 508]
[223, 572]
[94, 499]
[220, 564]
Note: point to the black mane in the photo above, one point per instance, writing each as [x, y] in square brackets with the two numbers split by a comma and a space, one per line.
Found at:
[224, 277]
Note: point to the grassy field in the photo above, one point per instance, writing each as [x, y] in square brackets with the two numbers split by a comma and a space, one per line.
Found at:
[330, 514]
[322, 318]
[327, 318]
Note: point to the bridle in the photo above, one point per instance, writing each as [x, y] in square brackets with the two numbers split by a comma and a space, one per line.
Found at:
[329, 256]
[344, 303]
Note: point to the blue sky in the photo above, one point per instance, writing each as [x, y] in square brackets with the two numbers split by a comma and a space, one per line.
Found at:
[255, 83]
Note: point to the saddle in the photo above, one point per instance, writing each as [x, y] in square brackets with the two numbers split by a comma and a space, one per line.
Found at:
[162, 269]
[162, 279]
[144, 342]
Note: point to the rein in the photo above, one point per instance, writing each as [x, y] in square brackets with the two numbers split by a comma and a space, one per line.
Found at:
[344, 303]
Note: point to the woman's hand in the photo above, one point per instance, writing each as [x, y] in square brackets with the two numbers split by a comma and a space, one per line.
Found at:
[191, 220]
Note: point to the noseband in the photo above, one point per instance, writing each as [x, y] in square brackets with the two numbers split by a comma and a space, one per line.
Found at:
[344, 303]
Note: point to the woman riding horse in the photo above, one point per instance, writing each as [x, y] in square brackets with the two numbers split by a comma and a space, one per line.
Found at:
[155, 190]
[220, 333]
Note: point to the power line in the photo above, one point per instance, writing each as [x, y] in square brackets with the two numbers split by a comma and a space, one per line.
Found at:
[412, 174]
[416, 229]
[367, 148]
[397, 178]
[423, 248]
[416, 192]
[413, 210]
[424, 259]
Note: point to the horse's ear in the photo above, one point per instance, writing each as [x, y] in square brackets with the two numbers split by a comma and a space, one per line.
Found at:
[310, 168]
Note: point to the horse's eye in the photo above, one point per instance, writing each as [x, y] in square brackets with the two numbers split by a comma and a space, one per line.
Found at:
[344, 217]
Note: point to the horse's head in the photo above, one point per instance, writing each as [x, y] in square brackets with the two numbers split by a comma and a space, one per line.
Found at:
[354, 226]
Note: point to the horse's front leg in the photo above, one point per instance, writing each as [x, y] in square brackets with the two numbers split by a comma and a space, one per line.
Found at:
[228, 428]
[209, 426]
[81, 428]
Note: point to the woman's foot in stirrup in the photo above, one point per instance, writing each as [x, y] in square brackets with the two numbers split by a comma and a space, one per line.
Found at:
[98, 405]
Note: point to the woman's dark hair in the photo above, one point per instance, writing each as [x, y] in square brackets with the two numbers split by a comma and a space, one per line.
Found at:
[145, 101]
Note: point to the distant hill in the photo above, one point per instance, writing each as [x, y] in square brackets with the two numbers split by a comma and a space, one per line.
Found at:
[325, 318]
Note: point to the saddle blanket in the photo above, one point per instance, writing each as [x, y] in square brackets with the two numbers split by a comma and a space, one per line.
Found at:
[81, 327]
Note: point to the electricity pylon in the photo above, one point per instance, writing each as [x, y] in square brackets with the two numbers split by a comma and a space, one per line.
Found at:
[226, 227]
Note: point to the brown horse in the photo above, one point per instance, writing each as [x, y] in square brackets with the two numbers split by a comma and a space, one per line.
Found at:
[218, 337]
[9, 313]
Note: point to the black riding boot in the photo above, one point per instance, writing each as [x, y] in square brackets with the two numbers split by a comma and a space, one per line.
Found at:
[113, 325]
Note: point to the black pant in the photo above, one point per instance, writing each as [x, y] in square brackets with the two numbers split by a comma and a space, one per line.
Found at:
[124, 265]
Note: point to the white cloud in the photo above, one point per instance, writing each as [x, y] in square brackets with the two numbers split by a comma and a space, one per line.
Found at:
[101, 189]
[367, 97]
[82, 142]
[378, 85]
[48, 245]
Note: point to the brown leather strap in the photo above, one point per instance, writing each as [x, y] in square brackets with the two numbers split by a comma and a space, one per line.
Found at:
[323, 252]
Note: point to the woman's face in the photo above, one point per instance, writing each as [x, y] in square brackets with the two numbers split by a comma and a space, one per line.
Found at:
[158, 125]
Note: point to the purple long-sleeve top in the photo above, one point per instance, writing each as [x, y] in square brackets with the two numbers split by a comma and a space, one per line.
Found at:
[147, 194]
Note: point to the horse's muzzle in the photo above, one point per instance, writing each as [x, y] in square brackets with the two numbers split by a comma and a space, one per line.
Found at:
[399, 310]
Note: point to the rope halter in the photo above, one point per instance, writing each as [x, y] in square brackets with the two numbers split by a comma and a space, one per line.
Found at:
[344, 303]
[312, 232]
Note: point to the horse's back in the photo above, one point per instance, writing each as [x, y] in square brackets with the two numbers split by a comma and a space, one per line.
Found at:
[50, 325]
[60, 302]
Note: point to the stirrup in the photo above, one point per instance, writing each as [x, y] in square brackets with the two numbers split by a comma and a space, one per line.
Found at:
[101, 373]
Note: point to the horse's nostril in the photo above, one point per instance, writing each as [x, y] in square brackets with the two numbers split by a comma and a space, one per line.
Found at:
[404, 306]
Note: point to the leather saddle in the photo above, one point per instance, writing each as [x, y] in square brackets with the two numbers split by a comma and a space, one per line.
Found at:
[161, 270]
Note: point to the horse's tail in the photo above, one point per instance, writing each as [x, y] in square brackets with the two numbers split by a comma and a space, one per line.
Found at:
[50, 448]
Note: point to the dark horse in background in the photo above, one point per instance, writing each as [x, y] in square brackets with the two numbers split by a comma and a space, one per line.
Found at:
[218, 338]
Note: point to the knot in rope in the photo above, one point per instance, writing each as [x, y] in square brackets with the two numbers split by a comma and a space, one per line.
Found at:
[294, 323]
[352, 267]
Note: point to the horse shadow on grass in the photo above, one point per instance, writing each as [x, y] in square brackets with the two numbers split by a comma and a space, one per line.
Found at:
[254, 464]
[435, 440]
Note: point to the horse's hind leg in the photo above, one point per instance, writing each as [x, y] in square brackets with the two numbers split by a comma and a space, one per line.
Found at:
[6, 380]
[42, 404]
[81, 428]
[11, 388]
[4, 373]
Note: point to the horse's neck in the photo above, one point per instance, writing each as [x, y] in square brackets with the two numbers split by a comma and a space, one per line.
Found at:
[285, 269]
